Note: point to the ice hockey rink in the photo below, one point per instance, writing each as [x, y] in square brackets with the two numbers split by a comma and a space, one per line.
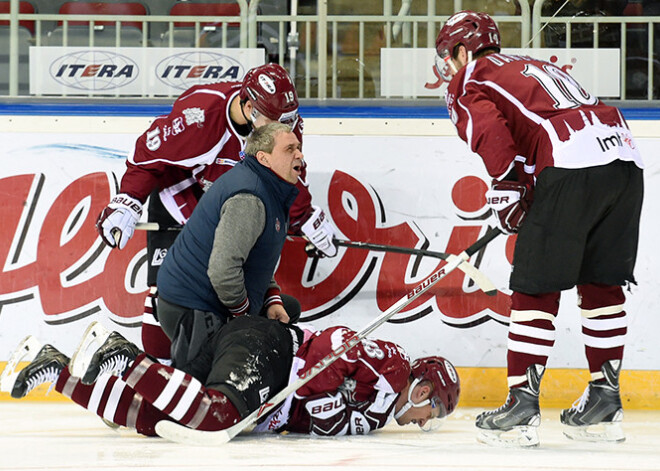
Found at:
[62, 436]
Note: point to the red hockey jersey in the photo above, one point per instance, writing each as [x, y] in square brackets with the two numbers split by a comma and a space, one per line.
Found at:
[514, 108]
[353, 396]
[183, 153]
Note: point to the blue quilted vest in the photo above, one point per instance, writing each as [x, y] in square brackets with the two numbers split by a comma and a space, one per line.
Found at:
[183, 279]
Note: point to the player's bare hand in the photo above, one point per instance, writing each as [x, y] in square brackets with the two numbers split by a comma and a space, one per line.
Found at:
[277, 312]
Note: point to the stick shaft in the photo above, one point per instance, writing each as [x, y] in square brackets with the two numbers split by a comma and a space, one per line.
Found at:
[154, 226]
[390, 248]
[471, 271]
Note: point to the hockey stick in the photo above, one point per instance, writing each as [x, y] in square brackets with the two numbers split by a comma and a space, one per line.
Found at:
[154, 226]
[471, 271]
[181, 434]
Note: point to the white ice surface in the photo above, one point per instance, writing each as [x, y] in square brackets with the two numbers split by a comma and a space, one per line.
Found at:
[63, 436]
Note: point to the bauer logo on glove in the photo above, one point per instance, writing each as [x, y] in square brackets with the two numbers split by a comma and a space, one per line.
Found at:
[116, 223]
[510, 201]
[321, 233]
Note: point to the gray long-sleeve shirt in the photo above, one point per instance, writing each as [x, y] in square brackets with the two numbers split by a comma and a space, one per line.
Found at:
[242, 221]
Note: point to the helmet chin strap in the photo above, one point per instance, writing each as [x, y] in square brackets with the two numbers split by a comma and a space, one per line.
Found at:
[408, 405]
[250, 123]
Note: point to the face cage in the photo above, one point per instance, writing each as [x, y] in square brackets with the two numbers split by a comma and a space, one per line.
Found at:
[444, 66]
[290, 118]
[438, 419]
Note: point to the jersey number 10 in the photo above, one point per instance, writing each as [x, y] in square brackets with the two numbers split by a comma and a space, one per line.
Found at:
[561, 87]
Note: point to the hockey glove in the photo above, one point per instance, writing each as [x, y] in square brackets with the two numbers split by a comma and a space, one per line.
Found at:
[320, 232]
[510, 201]
[116, 223]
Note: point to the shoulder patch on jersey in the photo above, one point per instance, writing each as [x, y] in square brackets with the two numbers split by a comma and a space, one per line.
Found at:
[193, 115]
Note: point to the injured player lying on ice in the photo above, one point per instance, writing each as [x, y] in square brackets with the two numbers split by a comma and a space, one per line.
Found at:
[249, 360]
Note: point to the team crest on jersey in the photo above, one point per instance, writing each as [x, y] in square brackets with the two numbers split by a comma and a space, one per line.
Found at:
[278, 226]
[194, 116]
[159, 256]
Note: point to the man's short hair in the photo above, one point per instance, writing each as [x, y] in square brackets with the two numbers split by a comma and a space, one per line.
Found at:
[263, 138]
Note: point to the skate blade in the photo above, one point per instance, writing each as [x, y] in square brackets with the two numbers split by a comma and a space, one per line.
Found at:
[25, 351]
[95, 335]
[518, 437]
[603, 432]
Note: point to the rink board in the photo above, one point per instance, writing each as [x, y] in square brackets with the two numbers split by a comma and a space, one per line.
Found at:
[384, 179]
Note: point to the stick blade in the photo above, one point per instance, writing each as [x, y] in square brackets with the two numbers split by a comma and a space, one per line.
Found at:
[481, 280]
[179, 434]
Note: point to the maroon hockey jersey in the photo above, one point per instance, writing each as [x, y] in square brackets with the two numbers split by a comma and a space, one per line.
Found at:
[518, 109]
[353, 396]
[183, 153]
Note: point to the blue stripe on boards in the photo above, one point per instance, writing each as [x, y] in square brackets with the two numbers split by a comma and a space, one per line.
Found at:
[355, 111]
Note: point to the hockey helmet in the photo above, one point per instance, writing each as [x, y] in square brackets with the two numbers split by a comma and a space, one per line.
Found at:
[476, 31]
[272, 92]
[444, 378]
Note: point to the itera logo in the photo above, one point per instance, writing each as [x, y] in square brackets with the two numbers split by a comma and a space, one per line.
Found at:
[186, 69]
[94, 70]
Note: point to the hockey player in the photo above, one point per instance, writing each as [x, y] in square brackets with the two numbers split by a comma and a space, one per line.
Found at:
[253, 358]
[177, 159]
[539, 132]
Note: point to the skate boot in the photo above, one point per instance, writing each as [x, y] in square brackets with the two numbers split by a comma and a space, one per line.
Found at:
[515, 423]
[597, 415]
[113, 357]
[45, 368]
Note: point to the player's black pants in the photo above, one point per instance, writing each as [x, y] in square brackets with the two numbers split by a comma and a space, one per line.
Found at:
[158, 242]
[193, 335]
[583, 228]
[247, 358]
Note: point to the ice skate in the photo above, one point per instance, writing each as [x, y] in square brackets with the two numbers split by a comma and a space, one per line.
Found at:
[44, 368]
[597, 415]
[113, 357]
[94, 337]
[25, 351]
[515, 423]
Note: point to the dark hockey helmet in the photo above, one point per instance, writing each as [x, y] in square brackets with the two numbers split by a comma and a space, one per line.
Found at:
[272, 92]
[476, 31]
[446, 384]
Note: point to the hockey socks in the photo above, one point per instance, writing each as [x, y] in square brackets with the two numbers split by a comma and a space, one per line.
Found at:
[180, 396]
[113, 400]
